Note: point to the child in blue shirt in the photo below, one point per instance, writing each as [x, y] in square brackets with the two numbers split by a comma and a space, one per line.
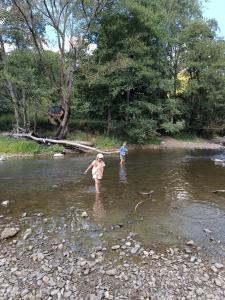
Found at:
[122, 151]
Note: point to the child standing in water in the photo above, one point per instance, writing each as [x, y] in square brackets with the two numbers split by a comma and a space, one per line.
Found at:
[122, 151]
[97, 170]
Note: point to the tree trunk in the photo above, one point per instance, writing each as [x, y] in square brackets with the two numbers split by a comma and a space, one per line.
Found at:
[25, 123]
[35, 114]
[63, 128]
[15, 105]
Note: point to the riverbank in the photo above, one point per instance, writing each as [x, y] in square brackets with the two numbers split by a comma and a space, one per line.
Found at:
[172, 143]
[36, 267]
[13, 148]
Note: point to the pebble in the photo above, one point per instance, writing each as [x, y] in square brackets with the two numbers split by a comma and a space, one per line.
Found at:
[68, 294]
[128, 244]
[5, 203]
[84, 214]
[217, 282]
[40, 256]
[192, 259]
[219, 266]
[45, 279]
[111, 272]
[116, 247]
[107, 295]
[214, 269]
[207, 230]
[27, 233]
[190, 243]
[199, 291]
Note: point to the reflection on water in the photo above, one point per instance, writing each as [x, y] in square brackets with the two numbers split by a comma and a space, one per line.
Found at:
[123, 173]
[99, 212]
[182, 206]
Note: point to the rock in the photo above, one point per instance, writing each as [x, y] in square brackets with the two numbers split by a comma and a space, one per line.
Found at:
[40, 256]
[5, 203]
[107, 295]
[68, 294]
[27, 233]
[24, 292]
[192, 259]
[58, 155]
[45, 279]
[116, 247]
[135, 249]
[219, 266]
[24, 215]
[2, 262]
[207, 230]
[94, 297]
[2, 158]
[188, 250]
[84, 214]
[199, 291]
[217, 282]
[128, 244]
[60, 246]
[111, 272]
[214, 269]
[9, 232]
[190, 243]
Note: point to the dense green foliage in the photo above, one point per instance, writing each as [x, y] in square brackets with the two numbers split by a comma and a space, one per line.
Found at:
[158, 68]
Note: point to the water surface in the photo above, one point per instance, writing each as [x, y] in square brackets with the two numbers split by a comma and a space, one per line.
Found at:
[182, 206]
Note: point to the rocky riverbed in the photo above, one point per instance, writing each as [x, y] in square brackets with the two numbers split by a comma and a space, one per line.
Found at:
[33, 266]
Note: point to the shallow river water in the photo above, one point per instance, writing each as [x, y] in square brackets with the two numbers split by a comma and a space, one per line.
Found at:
[182, 207]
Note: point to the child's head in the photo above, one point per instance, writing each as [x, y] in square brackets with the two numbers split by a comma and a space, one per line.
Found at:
[124, 144]
[99, 156]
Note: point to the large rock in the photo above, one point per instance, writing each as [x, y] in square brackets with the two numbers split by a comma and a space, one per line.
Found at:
[9, 232]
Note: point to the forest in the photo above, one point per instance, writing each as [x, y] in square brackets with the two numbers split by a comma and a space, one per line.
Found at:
[132, 69]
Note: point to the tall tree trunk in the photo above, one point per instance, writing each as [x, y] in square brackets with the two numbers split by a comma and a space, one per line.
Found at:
[15, 105]
[25, 123]
[35, 114]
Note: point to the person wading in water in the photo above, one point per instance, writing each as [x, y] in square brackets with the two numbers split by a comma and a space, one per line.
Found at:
[97, 170]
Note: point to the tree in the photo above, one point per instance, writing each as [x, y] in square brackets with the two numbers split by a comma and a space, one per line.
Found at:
[205, 61]
[71, 22]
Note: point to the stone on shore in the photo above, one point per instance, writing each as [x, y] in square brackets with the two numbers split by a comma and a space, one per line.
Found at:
[9, 232]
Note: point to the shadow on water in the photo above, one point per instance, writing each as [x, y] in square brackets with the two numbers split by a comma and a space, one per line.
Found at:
[182, 205]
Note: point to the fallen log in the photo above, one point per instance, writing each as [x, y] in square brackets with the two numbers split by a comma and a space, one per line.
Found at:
[74, 144]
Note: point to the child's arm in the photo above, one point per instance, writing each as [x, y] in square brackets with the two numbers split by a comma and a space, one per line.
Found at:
[88, 168]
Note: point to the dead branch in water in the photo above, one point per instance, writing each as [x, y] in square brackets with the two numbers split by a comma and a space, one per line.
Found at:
[80, 146]
[145, 194]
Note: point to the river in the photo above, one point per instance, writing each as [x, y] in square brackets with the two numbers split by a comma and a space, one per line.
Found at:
[183, 206]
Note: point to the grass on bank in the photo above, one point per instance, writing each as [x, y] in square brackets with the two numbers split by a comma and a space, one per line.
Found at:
[12, 146]
[99, 141]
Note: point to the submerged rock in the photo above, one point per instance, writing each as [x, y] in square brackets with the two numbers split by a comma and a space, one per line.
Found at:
[206, 230]
[5, 203]
[84, 214]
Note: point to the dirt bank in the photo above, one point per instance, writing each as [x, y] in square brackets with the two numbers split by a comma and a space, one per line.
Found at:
[171, 143]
